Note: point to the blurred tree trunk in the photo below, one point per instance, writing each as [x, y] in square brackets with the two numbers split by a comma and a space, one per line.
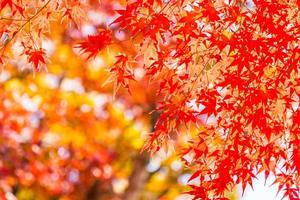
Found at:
[136, 181]
[139, 175]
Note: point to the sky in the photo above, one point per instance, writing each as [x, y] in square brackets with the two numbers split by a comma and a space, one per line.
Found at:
[261, 190]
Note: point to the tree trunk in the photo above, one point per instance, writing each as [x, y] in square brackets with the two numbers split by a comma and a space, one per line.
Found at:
[138, 177]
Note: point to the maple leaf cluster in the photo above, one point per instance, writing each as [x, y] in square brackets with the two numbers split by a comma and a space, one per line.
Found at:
[25, 26]
[229, 68]
[95, 43]
[36, 57]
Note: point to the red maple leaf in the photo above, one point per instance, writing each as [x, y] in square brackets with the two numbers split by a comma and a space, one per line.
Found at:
[96, 43]
[296, 155]
[4, 3]
[13, 6]
[122, 72]
[36, 57]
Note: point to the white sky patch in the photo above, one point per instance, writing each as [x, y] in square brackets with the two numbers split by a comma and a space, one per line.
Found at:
[295, 104]
[250, 5]
[261, 190]
[188, 8]
[211, 119]
[176, 165]
[183, 179]
[227, 2]
[192, 103]
[154, 164]
[4, 37]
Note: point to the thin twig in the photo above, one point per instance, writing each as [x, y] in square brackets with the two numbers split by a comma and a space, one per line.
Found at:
[27, 21]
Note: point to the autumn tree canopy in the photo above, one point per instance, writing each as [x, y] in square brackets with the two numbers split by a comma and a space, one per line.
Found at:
[227, 68]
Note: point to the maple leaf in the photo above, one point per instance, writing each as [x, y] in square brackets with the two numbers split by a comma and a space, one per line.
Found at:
[159, 24]
[210, 11]
[36, 57]
[95, 43]
[68, 13]
[13, 6]
[122, 73]
[5, 3]
[209, 100]
[296, 156]
[296, 117]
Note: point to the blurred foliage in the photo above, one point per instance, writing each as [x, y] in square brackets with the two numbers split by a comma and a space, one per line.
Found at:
[63, 136]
